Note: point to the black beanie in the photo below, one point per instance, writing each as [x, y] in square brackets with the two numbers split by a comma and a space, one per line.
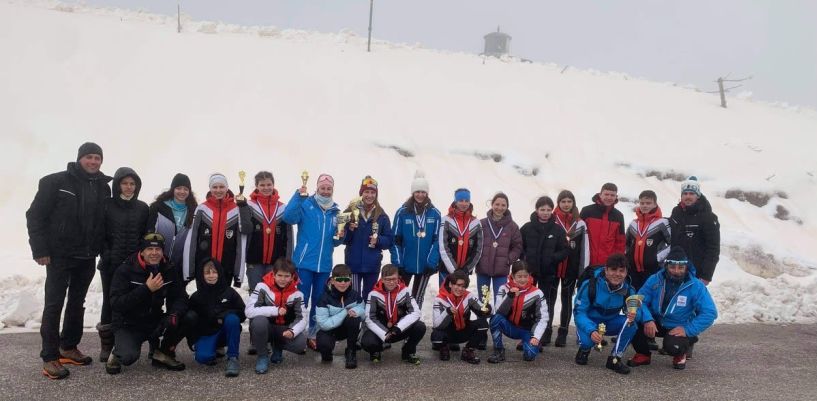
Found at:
[151, 239]
[676, 254]
[180, 180]
[89, 148]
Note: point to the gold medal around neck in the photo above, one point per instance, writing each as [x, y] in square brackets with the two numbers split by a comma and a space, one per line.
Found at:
[495, 244]
[460, 242]
[268, 230]
[640, 242]
[421, 234]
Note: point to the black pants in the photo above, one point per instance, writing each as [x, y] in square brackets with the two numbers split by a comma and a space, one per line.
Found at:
[550, 286]
[474, 333]
[641, 341]
[372, 343]
[263, 331]
[418, 287]
[106, 275]
[74, 276]
[128, 341]
[348, 330]
[637, 279]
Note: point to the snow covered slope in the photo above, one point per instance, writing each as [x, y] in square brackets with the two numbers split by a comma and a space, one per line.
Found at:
[223, 98]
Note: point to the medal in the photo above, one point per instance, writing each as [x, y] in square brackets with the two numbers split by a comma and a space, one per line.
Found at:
[640, 242]
[421, 234]
[495, 244]
[494, 233]
[460, 242]
[269, 219]
[421, 222]
[268, 230]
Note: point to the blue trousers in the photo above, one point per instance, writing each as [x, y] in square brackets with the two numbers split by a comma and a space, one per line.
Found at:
[494, 281]
[362, 283]
[229, 334]
[501, 325]
[616, 326]
[312, 286]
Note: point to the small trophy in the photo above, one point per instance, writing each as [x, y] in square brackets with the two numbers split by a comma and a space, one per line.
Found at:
[375, 229]
[343, 218]
[633, 302]
[486, 291]
[602, 330]
[241, 175]
[304, 178]
[354, 206]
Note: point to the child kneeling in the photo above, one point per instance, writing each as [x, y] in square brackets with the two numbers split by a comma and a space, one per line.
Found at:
[392, 315]
[339, 315]
[214, 316]
[521, 313]
[276, 312]
[452, 318]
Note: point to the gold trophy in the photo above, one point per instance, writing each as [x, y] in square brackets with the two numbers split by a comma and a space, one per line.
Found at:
[486, 305]
[375, 229]
[241, 175]
[304, 178]
[633, 302]
[343, 218]
[602, 330]
[354, 206]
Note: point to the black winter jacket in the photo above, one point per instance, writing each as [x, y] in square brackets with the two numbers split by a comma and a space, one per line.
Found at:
[544, 246]
[134, 306]
[125, 222]
[212, 303]
[65, 218]
[696, 229]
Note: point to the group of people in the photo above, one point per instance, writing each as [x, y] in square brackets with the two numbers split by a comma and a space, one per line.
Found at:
[299, 299]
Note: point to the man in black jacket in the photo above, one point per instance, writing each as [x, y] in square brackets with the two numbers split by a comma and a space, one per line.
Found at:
[65, 231]
[140, 288]
[695, 228]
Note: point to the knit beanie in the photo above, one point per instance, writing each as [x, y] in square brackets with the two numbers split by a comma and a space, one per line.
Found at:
[217, 178]
[691, 185]
[89, 148]
[180, 180]
[368, 183]
[419, 184]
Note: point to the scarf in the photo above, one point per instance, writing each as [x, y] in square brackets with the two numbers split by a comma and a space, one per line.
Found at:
[220, 209]
[279, 294]
[565, 220]
[463, 220]
[519, 300]
[269, 207]
[391, 299]
[457, 305]
[324, 202]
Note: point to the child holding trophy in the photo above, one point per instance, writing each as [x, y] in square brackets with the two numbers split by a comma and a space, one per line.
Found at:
[452, 318]
[316, 217]
[367, 235]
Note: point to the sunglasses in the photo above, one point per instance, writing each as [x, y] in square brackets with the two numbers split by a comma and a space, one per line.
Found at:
[342, 279]
[370, 182]
[676, 262]
[153, 237]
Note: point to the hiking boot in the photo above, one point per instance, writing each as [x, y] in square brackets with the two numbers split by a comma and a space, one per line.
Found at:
[164, 360]
[614, 363]
[261, 364]
[405, 356]
[582, 355]
[653, 345]
[639, 359]
[112, 365]
[106, 341]
[498, 356]
[469, 355]
[54, 370]
[679, 362]
[561, 337]
[546, 337]
[351, 358]
[445, 352]
[232, 368]
[74, 357]
[277, 356]
[376, 357]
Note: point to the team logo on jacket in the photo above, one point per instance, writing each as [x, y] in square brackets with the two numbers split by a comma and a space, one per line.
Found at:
[682, 300]
[690, 234]
[229, 234]
[649, 241]
[572, 244]
[257, 227]
[206, 231]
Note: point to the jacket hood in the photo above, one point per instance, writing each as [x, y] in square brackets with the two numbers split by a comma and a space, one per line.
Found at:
[269, 280]
[119, 175]
[216, 288]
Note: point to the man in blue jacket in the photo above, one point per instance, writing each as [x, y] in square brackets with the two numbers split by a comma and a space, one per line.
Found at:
[601, 299]
[678, 307]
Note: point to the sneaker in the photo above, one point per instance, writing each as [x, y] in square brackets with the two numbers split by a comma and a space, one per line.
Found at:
[233, 367]
[163, 360]
[679, 362]
[639, 360]
[582, 355]
[445, 352]
[405, 356]
[351, 358]
[277, 356]
[614, 363]
[261, 364]
[376, 357]
[546, 337]
[498, 356]
[74, 357]
[112, 365]
[54, 370]
[469, 355]
[561, 337]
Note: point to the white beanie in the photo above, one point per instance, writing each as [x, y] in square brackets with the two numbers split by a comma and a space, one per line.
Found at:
[217, 177]
[691, 185]
[419, 183]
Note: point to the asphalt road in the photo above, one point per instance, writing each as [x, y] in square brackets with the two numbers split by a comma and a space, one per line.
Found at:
[732, 362]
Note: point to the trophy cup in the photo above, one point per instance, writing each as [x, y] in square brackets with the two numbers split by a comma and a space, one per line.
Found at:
[486, 291]
[304, 178]
[375, 229]
[633, 302]
[241, 175]
[343, 218]
[602, 330]
[354, 206]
